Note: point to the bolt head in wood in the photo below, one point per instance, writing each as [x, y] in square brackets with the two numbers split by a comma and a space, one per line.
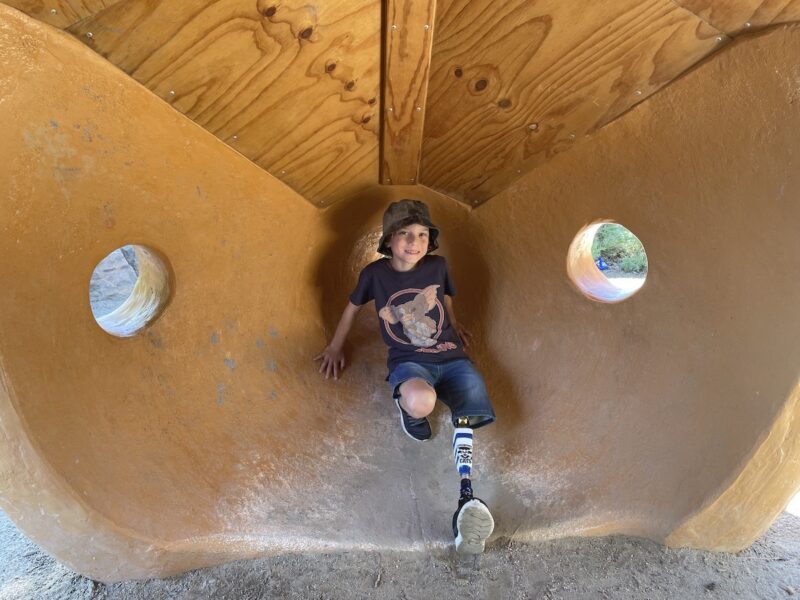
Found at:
[426, 27]
[53, 11]
[172, 92]
[718, 38]
[89, 34]
[394, 26]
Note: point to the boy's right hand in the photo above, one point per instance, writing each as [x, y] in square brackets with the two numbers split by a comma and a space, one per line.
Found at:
[332, 362]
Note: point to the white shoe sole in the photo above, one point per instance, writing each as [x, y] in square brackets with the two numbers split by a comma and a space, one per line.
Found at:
[475, 524]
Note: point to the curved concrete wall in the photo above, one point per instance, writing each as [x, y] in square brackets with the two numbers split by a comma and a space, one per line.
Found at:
[210, 436]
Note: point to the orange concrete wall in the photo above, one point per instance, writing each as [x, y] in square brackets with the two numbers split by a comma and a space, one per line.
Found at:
[210, 436]
[637, 414]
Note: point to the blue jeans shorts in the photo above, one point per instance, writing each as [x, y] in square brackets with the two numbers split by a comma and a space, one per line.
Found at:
[457, 383]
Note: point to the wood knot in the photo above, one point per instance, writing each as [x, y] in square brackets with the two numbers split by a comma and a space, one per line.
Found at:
[329, 68]
[458, 72]
[350, 85]
[481, 84]
[504, 103]
[371, 101]
[365, 118]
[306, 33]
[266, 8]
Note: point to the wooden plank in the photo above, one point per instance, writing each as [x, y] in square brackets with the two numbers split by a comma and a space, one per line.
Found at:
[513, 83]
[738, 16]
[408, 34]
[60, 13]
[292, 85]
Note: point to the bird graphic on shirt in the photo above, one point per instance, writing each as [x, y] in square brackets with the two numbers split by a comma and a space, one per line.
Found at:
[418, 327]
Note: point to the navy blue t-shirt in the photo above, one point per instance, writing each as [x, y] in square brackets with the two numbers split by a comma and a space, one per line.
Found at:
[411, 312]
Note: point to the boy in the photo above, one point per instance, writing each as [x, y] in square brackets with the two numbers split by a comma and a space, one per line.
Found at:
[411, 289]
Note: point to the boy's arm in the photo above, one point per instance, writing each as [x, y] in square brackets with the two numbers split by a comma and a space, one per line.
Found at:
[333, 356]
[466, 336]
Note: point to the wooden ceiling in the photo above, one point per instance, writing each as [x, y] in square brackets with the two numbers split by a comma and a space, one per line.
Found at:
[463, 96]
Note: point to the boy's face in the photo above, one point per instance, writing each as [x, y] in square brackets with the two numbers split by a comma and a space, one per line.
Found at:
[409, 244]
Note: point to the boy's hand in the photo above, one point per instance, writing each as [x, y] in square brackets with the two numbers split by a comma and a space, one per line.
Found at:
[332, 362]
[466, 336]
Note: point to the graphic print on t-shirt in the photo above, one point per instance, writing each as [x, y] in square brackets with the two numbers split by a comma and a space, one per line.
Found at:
[406, 316]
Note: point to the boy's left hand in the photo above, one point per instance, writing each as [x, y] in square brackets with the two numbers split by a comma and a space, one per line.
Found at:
[464, 334]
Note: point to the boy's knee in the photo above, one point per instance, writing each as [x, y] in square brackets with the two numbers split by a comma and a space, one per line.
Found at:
[418, 398]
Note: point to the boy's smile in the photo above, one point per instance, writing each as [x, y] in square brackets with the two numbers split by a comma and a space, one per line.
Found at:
[408, 244]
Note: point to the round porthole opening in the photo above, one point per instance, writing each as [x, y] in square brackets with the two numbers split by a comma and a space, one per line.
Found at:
[607, 262]
[129, 289]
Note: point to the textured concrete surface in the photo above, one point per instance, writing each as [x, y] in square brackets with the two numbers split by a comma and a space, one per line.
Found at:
[618, 568]
[210, 437]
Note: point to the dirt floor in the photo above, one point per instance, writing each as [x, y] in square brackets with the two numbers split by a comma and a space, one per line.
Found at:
[613, 567]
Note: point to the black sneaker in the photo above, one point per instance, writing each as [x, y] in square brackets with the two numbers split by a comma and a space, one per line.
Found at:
[472, 525]
[418, 429]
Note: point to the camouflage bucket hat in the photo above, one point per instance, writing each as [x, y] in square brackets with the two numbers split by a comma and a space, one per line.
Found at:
[401, 214]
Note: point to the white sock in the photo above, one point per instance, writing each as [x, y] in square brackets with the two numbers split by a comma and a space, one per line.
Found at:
[462, 450]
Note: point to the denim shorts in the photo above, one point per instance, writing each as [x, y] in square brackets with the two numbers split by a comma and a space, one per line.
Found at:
[457, 383]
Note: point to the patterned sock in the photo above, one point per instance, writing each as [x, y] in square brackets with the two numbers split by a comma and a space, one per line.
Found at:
[462, 451]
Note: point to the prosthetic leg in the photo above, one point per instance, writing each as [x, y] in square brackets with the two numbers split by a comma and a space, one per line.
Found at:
[472, 521]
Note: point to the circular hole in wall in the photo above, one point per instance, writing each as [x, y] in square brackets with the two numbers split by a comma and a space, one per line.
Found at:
[607, 262]
[129, 289]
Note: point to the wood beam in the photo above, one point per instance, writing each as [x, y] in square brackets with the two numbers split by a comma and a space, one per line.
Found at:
[408, 35]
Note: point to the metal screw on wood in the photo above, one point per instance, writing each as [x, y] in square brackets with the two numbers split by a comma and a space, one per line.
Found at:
[172, 92]
[748, 24]
[638, 92]
[572, 136]
[283, 172]
[89, 34]
[394, 26]
[411, 180]
[718, 38]
[419, 108]
[533, 126]
[234, 138]
[53, 11]
[426, 27]
[390, 109]
[388, 180]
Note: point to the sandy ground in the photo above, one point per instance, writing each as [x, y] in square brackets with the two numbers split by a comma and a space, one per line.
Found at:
[614, 567]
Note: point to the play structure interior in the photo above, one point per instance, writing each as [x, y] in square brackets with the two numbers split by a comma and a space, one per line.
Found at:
[246, 150]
